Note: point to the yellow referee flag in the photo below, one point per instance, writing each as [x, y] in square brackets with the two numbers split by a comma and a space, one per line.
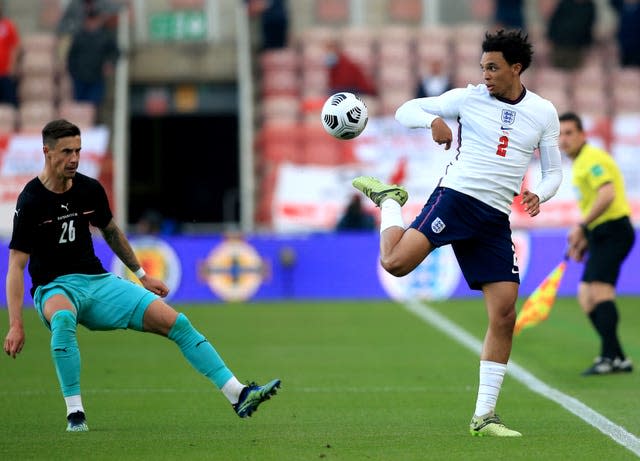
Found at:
[537, 307]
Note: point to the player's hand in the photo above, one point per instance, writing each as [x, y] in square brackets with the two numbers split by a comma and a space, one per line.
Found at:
[155, 285]
[530, 203]
[14, 341]
[441, 133]
[577, 243]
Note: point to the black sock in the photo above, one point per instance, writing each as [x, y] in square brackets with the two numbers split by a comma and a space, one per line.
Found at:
[605, 320]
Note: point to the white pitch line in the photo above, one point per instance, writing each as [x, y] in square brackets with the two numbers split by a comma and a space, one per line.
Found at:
[575, 406]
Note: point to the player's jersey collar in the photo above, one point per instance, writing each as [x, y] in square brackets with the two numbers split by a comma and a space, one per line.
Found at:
[515, 101]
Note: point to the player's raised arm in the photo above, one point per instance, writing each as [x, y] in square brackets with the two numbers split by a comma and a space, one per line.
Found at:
[429, 113]
[14, 341]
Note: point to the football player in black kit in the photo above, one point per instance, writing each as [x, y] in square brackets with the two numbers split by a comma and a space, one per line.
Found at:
[51, 232]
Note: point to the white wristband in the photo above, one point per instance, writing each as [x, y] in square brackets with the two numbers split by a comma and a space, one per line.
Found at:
[140, 273]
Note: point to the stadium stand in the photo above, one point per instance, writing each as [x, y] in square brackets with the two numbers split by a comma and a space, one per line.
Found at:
[8, 119]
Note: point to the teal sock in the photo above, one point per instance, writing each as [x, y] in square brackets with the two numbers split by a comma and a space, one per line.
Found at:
[199, 352]
[65, 352]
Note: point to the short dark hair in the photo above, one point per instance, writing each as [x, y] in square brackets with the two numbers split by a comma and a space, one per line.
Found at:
[57, 129]
[572, 117]
[513, 44]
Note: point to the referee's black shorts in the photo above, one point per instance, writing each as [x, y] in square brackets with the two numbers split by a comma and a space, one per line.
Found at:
[609, 244]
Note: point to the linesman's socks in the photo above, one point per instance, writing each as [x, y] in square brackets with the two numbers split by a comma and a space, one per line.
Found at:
[605, 320]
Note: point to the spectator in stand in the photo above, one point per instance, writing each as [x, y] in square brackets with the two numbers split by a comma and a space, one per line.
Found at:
[9, 50]
[355, 218]
[434, 81]
[91, 57]
[509, 14]
[274, 22]
[345, 74]
[570, 31]
[628, 31]
[77, 10]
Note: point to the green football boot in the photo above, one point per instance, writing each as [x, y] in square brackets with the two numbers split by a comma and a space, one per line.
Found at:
[378, 191]
[490, 425]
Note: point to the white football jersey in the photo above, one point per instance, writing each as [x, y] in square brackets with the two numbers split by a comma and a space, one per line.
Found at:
[497, 139]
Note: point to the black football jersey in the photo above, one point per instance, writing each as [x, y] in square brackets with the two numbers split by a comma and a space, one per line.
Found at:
[54, 230]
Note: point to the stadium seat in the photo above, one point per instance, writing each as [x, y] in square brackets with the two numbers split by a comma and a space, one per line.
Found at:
[8, 117]
[313, 54]
[405, 11]
[558, 96]
[626, 101]
[279, 59]
[465, 74]
[82, 114]
[395, 33]
[38, 63]
[315, 82]
[283, 82]
[316, 36]
[187, 4]
[39, 43]
[591, 99]
[372, 103]
[626, 77]
[391, 100]
[49, 14]
[397, 77]
[357, 35]
[394, 53]
[467, 50]
[436, 35]
[283, 108]
[432, 51]
[589, 75]
[33, 115]
[332, 11]
[39, 87]
[552, 78]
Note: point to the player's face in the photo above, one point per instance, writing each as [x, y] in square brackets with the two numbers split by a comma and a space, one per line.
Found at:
[500, 76]
[571, 138]
[64, 157]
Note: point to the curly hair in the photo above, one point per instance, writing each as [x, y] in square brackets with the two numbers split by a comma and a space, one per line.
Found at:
[513, 44]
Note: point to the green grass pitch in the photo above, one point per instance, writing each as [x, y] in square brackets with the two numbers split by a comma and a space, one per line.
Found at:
[360, 381]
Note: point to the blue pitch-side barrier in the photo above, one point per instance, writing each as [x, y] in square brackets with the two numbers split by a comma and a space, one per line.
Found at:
[324, 266]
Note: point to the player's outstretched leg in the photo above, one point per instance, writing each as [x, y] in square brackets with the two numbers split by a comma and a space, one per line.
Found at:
[253, 395]
[378, 191]
[490, 425]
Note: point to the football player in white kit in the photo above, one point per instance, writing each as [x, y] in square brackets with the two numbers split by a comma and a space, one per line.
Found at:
[501, 123]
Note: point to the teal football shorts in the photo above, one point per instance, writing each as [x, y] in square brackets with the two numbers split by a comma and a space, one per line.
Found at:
[102, 302]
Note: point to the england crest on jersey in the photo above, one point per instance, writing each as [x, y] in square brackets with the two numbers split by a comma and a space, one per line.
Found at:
[508, 116]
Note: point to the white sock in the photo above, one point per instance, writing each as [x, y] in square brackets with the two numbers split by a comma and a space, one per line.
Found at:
[390, 215]
[232, 389]
[491, 376]
[74, 403]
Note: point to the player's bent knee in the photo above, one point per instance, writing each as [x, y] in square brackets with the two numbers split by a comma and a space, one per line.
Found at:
[159, 318]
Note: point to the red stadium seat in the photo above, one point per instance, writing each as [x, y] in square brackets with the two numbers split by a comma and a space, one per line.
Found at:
[8, 118]
[408, 11]
[332, 11]
[82, 114]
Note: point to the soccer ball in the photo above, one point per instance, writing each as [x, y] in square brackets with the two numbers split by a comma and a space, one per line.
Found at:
[344, 115]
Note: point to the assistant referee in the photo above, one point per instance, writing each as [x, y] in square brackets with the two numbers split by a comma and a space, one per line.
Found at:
[604, 239]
